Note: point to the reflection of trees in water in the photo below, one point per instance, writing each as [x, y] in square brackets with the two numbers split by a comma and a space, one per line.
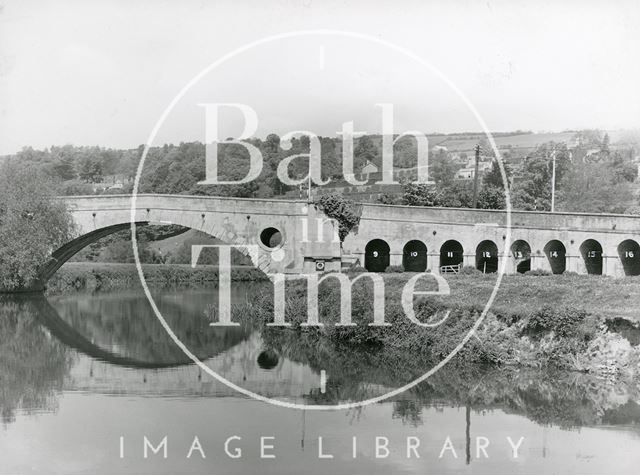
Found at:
[546, 397]
[33, 365]
[409, 411]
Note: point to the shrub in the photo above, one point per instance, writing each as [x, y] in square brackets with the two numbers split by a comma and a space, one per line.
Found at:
[343, 210]
[394, 269]
[564, 322]
[538, 272]
[356, 269]
[469, 270]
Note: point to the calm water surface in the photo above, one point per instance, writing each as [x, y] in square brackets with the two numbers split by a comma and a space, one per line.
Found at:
[84, 378]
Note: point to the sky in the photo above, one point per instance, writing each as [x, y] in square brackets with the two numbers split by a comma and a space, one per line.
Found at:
[104, 72]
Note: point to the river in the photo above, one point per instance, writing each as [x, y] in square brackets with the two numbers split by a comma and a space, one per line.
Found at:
[85, 378]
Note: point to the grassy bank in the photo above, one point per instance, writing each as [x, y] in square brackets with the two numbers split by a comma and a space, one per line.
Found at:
[569, 322]
[108, 276]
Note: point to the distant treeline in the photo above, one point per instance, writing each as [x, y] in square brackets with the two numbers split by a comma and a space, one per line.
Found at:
[592, 176]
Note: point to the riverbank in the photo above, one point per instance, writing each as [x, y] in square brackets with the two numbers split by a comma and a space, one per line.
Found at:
[516, 295]
[97, 276]
[578, 323]
[573, 322]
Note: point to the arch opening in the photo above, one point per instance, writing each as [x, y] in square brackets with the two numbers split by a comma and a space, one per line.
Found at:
[521, 252]
[451, 254]
[629, 253]
[556, 255]
[271, 237]
[268, 359]
[487, 257]
[377, 255]
[414, 256]
[591, 252]
[113, 244]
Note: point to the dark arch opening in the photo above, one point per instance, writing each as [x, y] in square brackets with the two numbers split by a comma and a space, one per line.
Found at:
[629, 252]
[376, 256]
[487, 257]
[271, 237]
[521, 252]
[414, 256]
[591, 251]
[451, 253]
[268, 359]
[556, 255]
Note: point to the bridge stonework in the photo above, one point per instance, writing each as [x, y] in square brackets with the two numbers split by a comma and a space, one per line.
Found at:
[397, 225]
[305, 242]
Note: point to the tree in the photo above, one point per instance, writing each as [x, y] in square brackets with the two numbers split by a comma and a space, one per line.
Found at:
[343, 210]
[457, 195]
[365, 150]
[442, 169]
[420, 194]
[532, 190]
[33, 223]
[604, 147]
[493, 177]
[491, 197]
[594, 188]
[91, 171]
[64, 168]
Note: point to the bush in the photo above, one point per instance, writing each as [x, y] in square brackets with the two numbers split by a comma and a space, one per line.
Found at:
[356, 269]
[343, 210]
[470, 270]
[394, 269]
[563, 322]
[538, 272]
[76, 187]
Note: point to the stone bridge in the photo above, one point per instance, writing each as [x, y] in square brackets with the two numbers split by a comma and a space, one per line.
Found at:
[293, 237]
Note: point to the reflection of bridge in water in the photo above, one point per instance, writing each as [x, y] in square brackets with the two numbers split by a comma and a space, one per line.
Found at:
[245, 363]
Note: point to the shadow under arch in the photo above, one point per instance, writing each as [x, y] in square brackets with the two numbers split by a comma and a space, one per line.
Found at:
[591, 251]
[377, 255]
[414, 256]
[629, 253]
[556, 255]
[70, 249]
[451, 253]
[62, 255]
[521, 252]
[487, 257]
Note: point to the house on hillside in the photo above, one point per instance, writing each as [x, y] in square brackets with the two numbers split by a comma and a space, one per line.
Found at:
[466, 173]
[367, 170]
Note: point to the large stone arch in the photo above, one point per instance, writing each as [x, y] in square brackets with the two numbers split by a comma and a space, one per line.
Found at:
[70, 249]
[62, 255]
[234, 226]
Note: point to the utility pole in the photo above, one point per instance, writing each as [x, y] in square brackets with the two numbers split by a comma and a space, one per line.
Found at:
[553, 182]
[475, 178]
